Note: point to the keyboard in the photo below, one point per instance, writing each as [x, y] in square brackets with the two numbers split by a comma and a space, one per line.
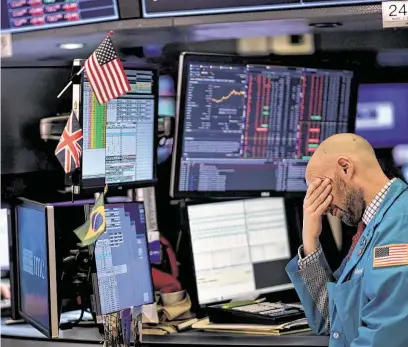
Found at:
[258, 313]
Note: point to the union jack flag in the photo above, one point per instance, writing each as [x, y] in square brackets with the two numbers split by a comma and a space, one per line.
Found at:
[69, 148]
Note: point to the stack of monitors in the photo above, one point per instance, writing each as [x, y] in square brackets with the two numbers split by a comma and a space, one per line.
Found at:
[154, 8]
[28, 15]
[119, 137]
[382, 114]
[247, 129]
[123, 274]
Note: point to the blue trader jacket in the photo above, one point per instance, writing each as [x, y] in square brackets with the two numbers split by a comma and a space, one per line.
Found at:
[368, 294]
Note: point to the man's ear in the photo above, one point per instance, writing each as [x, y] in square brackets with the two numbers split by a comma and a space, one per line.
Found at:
[345, 167]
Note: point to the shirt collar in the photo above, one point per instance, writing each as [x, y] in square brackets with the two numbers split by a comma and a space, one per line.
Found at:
[374, 205]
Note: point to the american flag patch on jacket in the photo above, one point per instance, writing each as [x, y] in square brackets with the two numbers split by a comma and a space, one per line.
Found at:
[390, 255]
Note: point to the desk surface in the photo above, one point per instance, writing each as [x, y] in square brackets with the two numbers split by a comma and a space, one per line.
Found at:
[28, 336]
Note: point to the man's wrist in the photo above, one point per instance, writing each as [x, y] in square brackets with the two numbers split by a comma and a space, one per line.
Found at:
[310, 245]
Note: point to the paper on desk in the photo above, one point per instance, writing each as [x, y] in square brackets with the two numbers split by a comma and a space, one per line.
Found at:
[149, 314]
[205, 324]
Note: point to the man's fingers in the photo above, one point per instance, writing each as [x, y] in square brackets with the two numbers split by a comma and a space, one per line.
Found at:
[325, 205]
[321, 198]
[313, 187]
[318, 191]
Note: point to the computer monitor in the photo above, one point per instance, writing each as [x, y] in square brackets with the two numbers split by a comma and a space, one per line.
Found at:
[249, 130]
[119, 137]
[37, 279]
[240, 248]
[5, 225]
[382, 114]
[123, 274]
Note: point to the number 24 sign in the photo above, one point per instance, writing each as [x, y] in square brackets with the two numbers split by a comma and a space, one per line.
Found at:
[395, 14]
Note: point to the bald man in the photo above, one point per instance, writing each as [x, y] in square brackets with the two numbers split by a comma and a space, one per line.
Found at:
[365, 302]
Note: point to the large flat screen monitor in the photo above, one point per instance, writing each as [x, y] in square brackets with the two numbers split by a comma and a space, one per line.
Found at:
[249, 130]
[28, 15]
[37, 279]
[382, 116]
[154, 8]
[119, 144]
[123, 273]
[240, 248]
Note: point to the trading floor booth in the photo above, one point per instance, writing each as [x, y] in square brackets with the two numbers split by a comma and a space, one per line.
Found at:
[235, 155]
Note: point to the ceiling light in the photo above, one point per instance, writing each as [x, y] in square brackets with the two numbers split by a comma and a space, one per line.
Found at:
[325, 25]
[71, 45]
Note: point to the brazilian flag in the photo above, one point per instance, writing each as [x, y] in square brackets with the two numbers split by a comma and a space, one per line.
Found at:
[95, 226]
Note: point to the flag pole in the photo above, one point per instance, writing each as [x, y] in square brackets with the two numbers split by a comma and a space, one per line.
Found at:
[77, 74]
[70, 82]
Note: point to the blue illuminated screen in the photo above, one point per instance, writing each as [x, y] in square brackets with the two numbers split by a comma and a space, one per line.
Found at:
[382, 116]
[29, 15]
[122, 259]
[33, 270]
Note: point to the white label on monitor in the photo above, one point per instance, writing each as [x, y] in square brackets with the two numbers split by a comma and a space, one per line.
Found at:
[395, 14]
[375, 115]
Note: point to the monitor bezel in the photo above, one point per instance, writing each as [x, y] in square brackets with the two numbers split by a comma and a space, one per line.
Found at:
[53, 315]
[292, 238]
[135, 184]
[94, 276]
[185, 59]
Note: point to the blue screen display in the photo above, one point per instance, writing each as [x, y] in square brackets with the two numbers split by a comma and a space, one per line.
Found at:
[382, 114]
[33, 270]
[122, 259]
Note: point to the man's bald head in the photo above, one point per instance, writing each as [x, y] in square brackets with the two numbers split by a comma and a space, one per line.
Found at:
[332, 152]
[349, 162]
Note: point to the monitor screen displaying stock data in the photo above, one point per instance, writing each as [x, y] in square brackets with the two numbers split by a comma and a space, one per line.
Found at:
[253, 128]
[166, 8]
[122, 259]
[28, 15]
[120, 136]
[239, 248]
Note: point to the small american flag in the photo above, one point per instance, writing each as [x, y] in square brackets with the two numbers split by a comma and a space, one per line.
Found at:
[69, 148]
[391, 255]
[105, 72]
